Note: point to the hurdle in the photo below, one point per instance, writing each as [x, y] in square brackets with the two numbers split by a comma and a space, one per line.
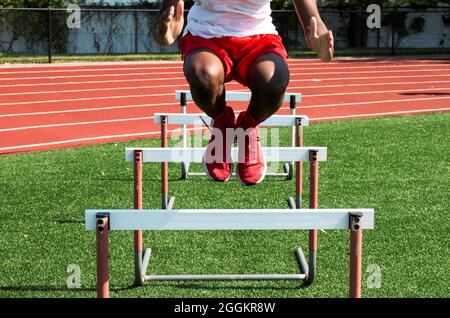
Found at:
[274, 121]
[167, 218]
[104, 221]
[164, 155]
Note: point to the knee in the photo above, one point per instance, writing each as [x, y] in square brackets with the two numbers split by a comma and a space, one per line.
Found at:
[269, 93]
[270, 86]
[274, 88]
[206, 81]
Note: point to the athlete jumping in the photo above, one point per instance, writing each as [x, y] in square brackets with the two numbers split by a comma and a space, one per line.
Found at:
[228, 40]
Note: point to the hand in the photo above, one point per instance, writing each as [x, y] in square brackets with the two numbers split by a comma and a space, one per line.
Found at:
[320, 40]
[169, 24]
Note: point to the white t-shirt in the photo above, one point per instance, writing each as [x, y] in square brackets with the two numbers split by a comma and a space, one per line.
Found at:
[218, 18]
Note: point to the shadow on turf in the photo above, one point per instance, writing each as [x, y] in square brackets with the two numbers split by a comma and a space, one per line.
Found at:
[59, 289]
[234, 287]
[70, 221]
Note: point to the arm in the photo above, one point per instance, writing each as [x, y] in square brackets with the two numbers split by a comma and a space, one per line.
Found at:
[169, 22]
[317, 36]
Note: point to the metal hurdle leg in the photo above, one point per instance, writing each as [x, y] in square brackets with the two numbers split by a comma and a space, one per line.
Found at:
[166, 202]
[355, 255]
[289, 167]
[308, 268]
[184, 165]
[313, 204]
[297, 202]
[140, 259]
[102, 231]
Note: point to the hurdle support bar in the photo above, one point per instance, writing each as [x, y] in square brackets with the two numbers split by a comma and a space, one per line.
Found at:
[355, 254]
[354, 220]
[166, 201]
[102, 232]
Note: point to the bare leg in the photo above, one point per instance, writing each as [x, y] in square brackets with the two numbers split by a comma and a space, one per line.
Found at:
[205, 74]
[268, 79]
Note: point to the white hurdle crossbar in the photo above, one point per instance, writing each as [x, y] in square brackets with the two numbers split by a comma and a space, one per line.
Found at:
[296, 123]
[103, 221]
[202, 118]
[237, 96]
[271, 154]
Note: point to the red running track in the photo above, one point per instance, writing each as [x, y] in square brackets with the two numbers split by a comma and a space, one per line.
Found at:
[55, 106]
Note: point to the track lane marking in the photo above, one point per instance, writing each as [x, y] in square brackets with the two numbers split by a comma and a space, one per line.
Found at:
[111, 137]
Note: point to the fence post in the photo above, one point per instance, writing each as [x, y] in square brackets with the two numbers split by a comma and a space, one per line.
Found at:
[49, 34]
[394, 19]
[135, 32]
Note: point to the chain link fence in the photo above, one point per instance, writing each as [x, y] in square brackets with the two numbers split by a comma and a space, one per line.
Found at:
[124, 31]
[399, 29]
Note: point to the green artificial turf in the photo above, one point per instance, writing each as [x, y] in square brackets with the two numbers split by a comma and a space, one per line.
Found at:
[397, 165]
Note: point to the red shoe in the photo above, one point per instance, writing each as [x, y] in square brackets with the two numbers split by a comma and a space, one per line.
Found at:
[252, 167]
[217, 160]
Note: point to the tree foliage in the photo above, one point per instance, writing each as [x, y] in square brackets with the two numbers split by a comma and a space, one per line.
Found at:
[33, 3]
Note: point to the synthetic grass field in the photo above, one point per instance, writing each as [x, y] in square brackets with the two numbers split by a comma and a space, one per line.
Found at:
[397, 165]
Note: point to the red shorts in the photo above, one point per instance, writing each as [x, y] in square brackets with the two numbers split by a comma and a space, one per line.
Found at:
[237, 53]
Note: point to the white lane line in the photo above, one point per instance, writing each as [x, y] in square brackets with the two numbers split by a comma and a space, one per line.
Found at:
[84, 99]
[112, 69]
[163, 73]
[89, 90]
[186, 86]
[372, 102]
[382, 114]
[364, 78]
[302, 61]
[119, 88]
[414, 90]
[88, 64]
[95, 76]
[231, 83]
[294, 67]
[174, 104]
[76, 83]
[150, 117]
[190, 102]
[68, 141]
[171, 94]
[78, 123]
[367, 84]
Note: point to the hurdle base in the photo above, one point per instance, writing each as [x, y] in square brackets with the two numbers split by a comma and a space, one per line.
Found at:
[247, 277]
[308, 269]
[170, 203]
[167, 204]
[303, 276]
[293, 204]
[141, 265]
